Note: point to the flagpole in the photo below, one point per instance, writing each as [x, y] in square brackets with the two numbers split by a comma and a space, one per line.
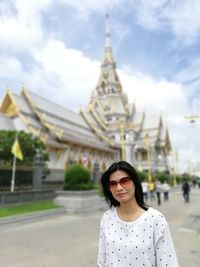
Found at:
[13, 169]
[13, 175]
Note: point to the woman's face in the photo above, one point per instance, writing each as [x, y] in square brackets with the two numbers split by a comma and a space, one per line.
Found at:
[121, 186]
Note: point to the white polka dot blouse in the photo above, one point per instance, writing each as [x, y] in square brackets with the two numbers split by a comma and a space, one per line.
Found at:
[144, 242]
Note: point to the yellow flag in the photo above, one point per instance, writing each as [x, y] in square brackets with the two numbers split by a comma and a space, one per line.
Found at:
[16, 150]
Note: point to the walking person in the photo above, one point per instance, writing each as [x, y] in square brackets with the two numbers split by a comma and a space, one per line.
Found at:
[166, 189]
[198, 182]
[145, 190]
[132, 233]
[158, 192]
[186, 191]
[151, 188]
[194, 182]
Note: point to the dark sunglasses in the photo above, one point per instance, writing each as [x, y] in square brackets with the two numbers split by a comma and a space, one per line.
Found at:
[124, 182]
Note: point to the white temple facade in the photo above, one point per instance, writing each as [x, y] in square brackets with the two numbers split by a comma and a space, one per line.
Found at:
[143, 138]
[107, 130]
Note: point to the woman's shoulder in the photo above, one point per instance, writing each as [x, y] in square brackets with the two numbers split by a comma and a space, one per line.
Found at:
[109, 214]
[156, 216]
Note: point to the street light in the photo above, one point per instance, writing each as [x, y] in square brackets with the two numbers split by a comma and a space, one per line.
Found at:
[192, 118]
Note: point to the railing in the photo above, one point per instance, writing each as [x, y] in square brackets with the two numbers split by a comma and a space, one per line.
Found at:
[8, 198]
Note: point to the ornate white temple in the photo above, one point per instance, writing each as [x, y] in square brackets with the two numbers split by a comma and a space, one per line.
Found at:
[108, 129]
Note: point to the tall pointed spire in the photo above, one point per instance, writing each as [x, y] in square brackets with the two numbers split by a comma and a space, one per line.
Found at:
[108, 57]
[108, 83]
[108, 35]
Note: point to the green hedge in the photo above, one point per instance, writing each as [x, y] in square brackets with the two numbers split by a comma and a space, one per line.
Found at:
[77, 178]
[22, 178]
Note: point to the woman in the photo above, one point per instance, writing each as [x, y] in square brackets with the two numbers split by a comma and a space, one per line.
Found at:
[132, 234]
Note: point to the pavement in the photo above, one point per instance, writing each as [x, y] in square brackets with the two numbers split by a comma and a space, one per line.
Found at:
[56, 239]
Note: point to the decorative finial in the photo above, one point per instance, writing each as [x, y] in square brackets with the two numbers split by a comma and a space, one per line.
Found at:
[23, 88]
[108, 35]
[23, 85]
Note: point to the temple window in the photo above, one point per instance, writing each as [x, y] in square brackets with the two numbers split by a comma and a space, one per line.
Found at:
[144, 155]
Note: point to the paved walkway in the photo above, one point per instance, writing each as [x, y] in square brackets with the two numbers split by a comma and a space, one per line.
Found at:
[72, 241]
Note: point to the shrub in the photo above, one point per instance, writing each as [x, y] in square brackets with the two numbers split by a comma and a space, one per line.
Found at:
[143, 176]
[77, 178]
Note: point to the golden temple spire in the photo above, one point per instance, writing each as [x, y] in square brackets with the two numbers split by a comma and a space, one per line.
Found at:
[108, 57]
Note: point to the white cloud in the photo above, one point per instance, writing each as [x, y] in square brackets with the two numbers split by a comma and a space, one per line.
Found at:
[190, 72]
[10, 67]
[157, 95]
[92, 5]
[185, 21]
[180, 17]
[21, 24]
[68, 75]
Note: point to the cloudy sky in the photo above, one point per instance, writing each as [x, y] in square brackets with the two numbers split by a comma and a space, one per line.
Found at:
[55, 49]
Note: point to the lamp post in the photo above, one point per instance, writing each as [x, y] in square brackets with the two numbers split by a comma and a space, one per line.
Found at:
[148, 147]
[192, 119]
[189, 170]
[176, 157]
[138, 158]
[122, 139]
[174, 167]
[38, 170]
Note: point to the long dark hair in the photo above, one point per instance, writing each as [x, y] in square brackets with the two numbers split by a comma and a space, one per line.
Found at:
[126, 167]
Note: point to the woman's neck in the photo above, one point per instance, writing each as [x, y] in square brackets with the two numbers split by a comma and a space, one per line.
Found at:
[129, 207]
[129, 211]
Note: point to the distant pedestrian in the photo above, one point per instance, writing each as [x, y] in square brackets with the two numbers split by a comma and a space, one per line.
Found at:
[151, 188]
[194, 182]
[166, 189]
[198, 182]
[145, 190]
[158, 192]
[131, 233]
[186, 191]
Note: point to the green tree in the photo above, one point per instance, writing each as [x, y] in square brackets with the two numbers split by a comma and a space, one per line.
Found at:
[28, 145]
[162, 176]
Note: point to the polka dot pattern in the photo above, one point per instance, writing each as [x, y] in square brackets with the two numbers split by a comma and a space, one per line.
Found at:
[143, 242]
